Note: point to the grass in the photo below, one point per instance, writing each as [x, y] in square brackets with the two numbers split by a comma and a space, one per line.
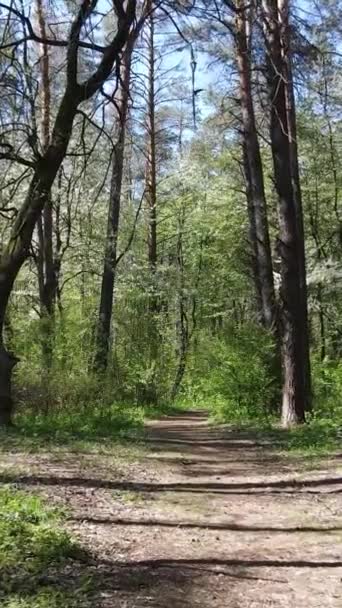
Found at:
[321, 435]
[48, 598]
[317, 437]
[34, 552]
[119, 429]
[91, 429]
[84, 423]
[97, 428]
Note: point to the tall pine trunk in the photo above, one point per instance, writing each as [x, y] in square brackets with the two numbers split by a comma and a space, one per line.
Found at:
[290, 238]
[103, 331]
[259, 231]
[150, 393]
[283, 8]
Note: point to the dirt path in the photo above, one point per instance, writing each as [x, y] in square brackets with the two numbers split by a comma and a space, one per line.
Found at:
[204, 518]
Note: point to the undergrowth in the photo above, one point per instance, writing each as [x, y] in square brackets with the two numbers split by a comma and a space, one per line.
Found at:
[97, 428]
[35, 553]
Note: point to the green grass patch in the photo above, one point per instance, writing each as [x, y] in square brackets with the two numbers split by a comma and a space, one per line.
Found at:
[35, 553]
[48, 598]
[90, 423]
[99, 428]
[317, 437]
[165, 409]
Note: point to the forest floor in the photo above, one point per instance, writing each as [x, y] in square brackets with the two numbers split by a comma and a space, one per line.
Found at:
[200, 516]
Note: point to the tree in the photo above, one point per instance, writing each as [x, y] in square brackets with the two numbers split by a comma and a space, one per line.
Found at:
[44, 171]
[256, 199]
[291, 237]
[149, 393]
[47, 277]
[296, 187]
[121, 100]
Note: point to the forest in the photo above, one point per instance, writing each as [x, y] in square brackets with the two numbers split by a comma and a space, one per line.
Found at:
[171, 251]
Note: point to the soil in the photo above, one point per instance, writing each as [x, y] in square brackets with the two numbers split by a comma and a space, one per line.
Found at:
[204, 517]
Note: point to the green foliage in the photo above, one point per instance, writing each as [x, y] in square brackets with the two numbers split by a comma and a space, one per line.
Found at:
[204, 273]
[327, 377]
[323, 431]
[233, 376]
[88, 423]
[318, 436]
[32, 544]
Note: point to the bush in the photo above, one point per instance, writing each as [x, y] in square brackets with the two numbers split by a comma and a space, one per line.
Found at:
[89, 423]
[327, 385]
[233, 377]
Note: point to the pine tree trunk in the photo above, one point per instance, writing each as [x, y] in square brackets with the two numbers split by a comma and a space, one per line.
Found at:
[151, 179]
[104, 323]
[290, 240]
[259, 231]
[151, 199]
[283, 6]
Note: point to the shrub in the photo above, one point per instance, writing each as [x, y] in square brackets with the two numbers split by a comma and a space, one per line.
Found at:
[233, 377]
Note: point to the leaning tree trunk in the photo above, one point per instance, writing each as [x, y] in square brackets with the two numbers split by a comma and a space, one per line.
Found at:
[259, 231]
[17, 250]
[103, 331]
[294, 386]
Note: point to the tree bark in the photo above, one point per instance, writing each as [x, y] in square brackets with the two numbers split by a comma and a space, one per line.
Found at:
[150, 392]
[151, 178]
[252, 234]
[294, 387]
[283, 12]
[103, 331]
[259, 230]
[46, 268]
[183, 324]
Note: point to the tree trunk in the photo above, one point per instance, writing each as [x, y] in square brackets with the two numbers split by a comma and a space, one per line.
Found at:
[294, 397]
[151, 179]
[259, 231]
[103, 331]
[7, 364]
[252, 235]
[183, 325]
[151, 199]
[283, 13]
[46, 268]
